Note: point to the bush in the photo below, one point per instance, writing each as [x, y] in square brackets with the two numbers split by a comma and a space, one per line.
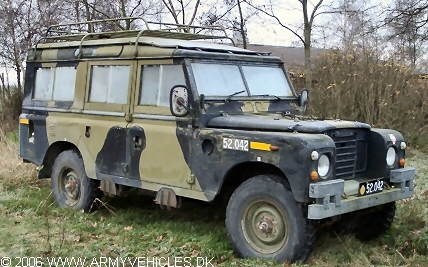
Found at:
[13, 171]
[10, 108]
[360, 86]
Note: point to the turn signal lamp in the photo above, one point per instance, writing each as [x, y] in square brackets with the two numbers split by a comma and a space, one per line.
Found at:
[314, 176]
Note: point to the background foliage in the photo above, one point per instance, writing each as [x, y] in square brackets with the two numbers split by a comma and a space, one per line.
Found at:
[359, 86]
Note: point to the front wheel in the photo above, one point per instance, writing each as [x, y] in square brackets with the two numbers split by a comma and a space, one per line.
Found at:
[264, 221]
[71, 188]
[367, 224]
[376, 223]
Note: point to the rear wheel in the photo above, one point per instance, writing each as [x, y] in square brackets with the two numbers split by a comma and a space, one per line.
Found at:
[71, 188]
[264, 221]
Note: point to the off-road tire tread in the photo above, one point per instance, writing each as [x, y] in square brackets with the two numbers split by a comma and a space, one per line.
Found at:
[300, 250]
[92, 190]
[311, 234]
[376, 223]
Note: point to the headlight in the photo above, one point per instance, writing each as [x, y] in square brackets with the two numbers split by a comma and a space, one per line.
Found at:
[391, 156]
[323, 165]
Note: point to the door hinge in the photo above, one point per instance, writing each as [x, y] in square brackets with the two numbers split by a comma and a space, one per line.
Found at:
[128, 117]
[191, 179]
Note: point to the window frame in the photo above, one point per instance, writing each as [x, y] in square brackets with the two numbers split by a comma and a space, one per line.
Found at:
[240, 63]
[54, 68]
[104, 106]
[150, 109]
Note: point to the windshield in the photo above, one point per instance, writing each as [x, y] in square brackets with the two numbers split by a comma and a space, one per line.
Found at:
[225, 80]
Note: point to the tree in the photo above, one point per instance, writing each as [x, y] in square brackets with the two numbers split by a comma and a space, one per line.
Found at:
[233, 15]
[309, 12]
[407, 21]
[353, 24]
[22, 22]
[180, 9]
[118, 9]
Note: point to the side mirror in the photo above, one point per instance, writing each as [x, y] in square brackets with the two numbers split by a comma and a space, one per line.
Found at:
[303, 99]
[179, 101]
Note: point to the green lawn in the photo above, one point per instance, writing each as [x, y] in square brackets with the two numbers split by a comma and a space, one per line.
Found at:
[133, 226]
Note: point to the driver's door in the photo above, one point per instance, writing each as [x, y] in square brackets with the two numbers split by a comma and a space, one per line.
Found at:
[160, 142]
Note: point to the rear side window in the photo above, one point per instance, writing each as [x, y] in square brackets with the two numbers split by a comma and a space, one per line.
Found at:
[156, 83]
[56, 84]
[109, 84]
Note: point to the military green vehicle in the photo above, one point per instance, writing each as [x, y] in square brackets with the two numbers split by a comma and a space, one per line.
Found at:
[171, 111]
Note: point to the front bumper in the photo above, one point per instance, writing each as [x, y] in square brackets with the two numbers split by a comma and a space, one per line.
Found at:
[329, 202]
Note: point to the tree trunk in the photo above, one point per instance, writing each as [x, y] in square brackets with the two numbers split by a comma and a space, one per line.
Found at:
[242, 26]
[308, 60]
[18, 75]
[307, 24]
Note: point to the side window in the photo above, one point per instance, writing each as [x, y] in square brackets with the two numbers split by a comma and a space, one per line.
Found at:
[109, 84]
[156, 83]
[55, 84]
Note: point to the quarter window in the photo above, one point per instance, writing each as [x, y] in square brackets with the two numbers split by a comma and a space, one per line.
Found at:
[56, 84]
[156, 83]
[109, 84]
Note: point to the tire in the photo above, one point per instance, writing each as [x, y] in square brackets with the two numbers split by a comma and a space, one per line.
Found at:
[311, 235]
[71, 188]
[366, 226]
[264, 221]
[375, 224]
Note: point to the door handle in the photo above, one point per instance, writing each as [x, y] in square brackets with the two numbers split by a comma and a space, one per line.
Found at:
[138, 141]
[88, 131]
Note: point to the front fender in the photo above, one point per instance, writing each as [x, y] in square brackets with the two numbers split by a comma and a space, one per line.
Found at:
[379, 142]
[292, 156]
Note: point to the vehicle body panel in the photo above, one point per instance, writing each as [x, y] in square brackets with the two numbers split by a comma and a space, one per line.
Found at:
[145, 146]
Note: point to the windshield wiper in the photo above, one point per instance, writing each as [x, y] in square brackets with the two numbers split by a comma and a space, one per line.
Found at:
[277, 97]
[234, 94]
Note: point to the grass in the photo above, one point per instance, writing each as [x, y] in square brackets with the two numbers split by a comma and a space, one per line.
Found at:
[133, 226]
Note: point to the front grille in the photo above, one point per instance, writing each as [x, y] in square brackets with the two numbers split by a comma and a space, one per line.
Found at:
[351, 152]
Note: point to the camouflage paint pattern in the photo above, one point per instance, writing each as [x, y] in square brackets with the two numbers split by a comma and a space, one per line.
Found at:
[146, 147]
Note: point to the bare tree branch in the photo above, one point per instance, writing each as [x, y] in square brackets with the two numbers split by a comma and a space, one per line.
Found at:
[314, 11]
[276, 18]
[170, 7]
[194, 12]
[135, 8]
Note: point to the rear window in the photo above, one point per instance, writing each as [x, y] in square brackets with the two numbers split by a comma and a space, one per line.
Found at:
[56, 84]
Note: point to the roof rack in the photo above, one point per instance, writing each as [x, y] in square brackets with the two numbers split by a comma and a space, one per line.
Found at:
[112, 28]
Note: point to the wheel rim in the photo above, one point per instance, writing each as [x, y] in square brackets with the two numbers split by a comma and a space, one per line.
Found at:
[265, 227]
[70, 186]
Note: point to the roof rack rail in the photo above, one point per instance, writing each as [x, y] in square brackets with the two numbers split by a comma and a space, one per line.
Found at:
[114, 28]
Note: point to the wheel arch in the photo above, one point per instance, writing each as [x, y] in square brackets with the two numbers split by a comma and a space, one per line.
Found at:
[241, 172]
[51, 154]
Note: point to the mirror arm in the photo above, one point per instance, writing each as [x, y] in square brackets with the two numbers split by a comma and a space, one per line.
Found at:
[202, 101]
[184, 106]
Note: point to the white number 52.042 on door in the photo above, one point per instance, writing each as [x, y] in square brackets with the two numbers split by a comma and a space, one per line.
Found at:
[235, 144]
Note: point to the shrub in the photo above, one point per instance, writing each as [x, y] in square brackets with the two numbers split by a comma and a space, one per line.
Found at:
[10, 103]
[358, 85]
[13, 171]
